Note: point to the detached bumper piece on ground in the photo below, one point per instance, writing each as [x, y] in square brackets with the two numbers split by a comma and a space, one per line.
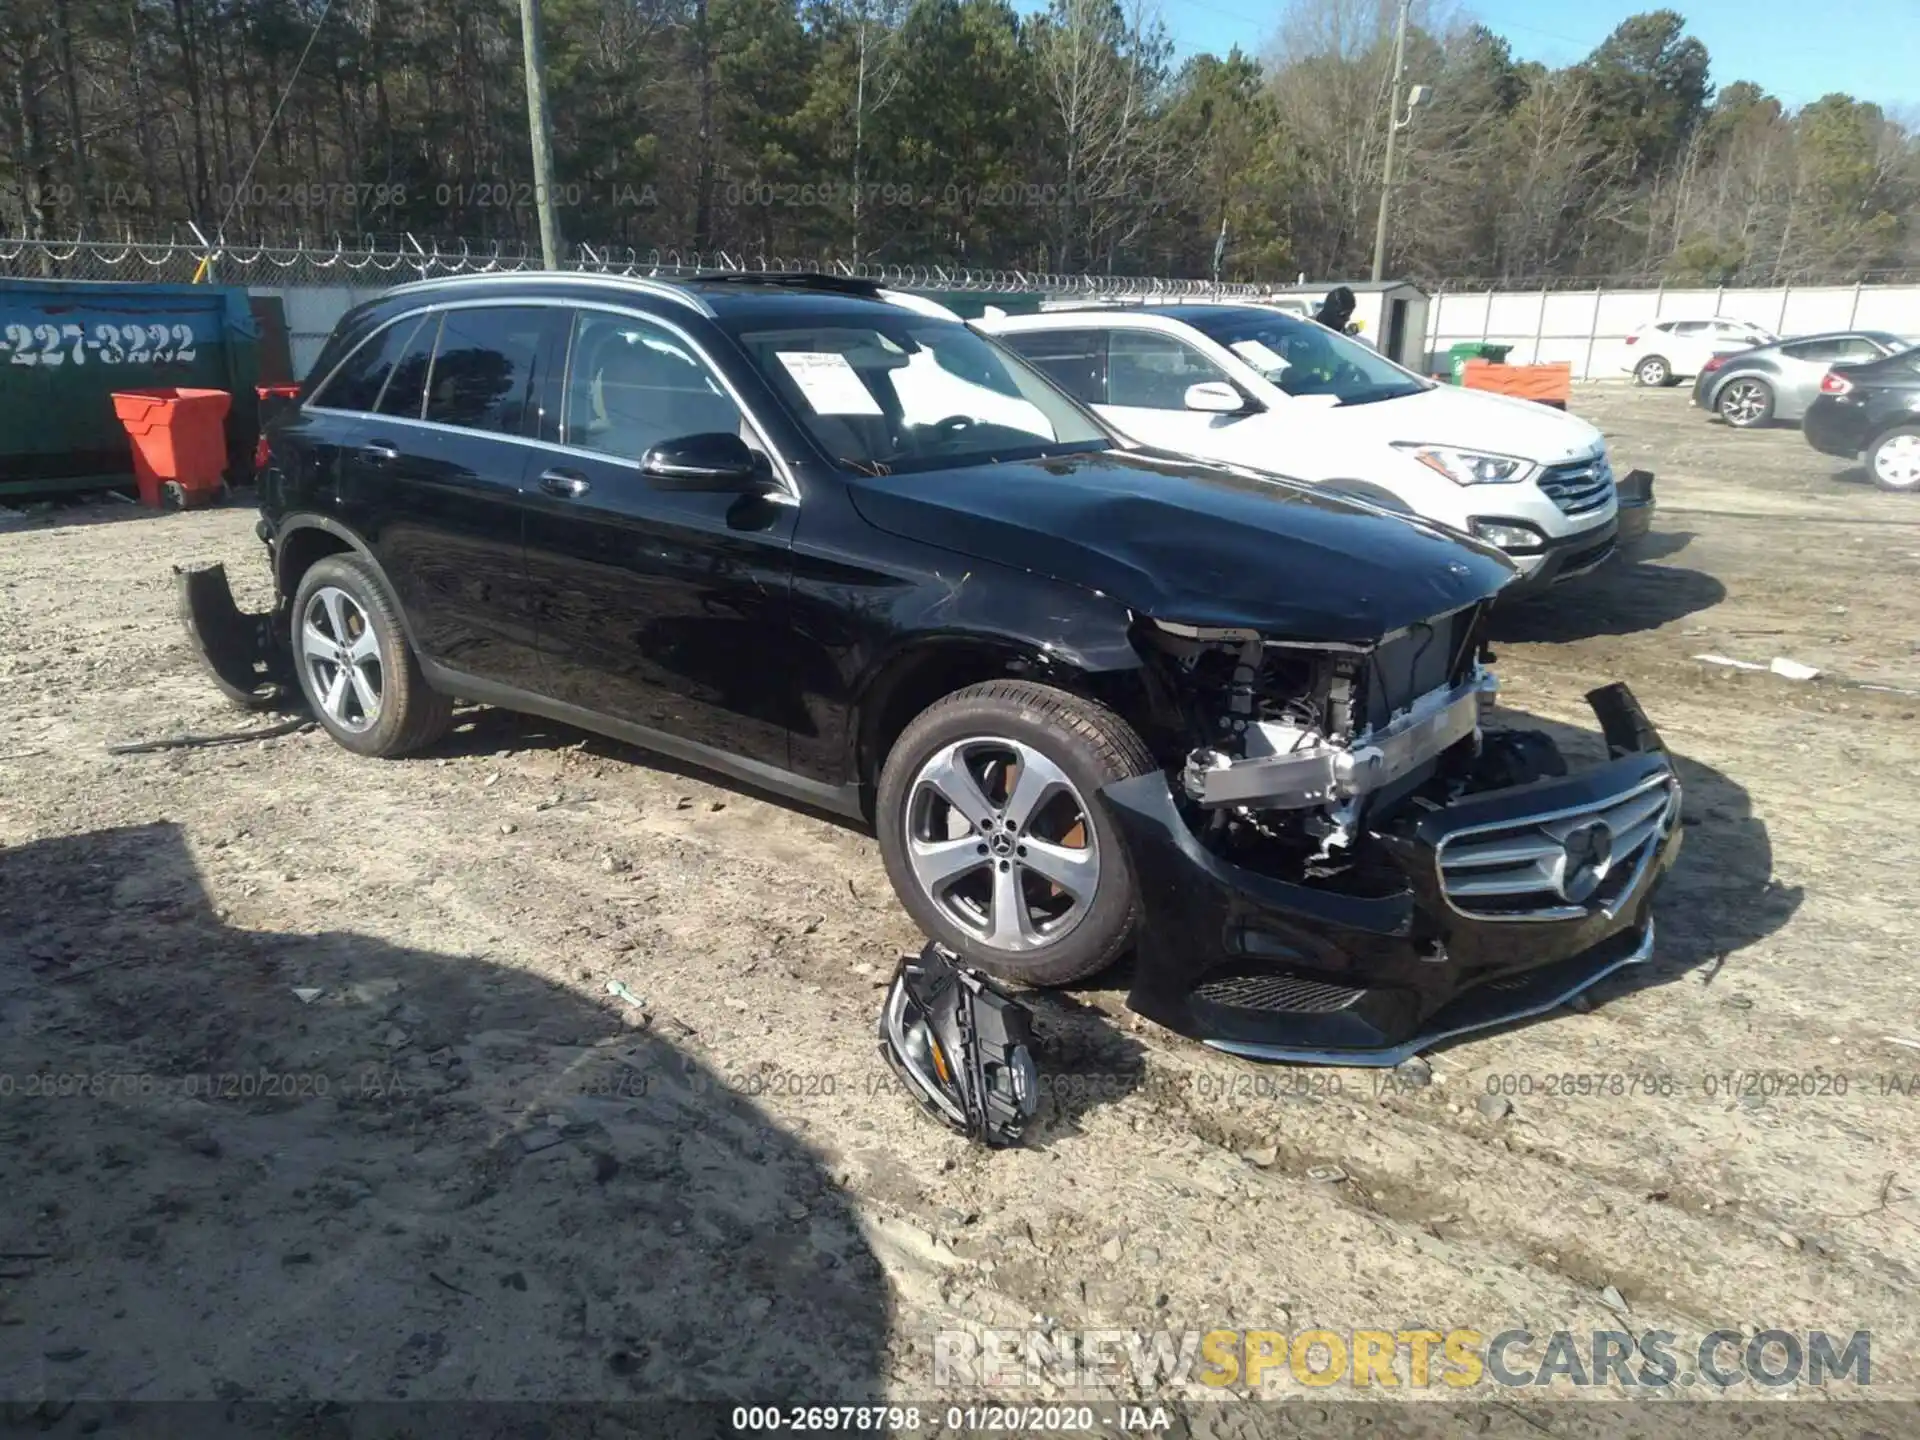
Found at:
[242, 652]
[1504, 904]
[1635, 490]
[962, 1047]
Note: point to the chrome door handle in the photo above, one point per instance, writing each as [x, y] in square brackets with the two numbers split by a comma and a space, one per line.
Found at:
[380, 450]
[567, 484]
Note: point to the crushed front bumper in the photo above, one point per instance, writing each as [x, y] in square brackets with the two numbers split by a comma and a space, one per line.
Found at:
[1509, 902]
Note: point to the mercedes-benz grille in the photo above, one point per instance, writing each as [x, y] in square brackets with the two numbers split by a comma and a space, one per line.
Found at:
[1561, 865]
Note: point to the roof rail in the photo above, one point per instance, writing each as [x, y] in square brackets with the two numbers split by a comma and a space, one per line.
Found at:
[791, 280]
[664, 289]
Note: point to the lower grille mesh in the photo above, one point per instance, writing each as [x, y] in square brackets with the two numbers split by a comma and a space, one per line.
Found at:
[1291, 994]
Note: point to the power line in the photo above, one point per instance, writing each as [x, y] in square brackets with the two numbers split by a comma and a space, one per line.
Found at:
[292, 80]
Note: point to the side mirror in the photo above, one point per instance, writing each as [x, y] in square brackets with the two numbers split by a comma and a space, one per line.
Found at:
[718, 461]
[1217, 397]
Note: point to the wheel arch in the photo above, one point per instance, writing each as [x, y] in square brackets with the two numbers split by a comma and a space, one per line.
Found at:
[1909, 420]
[303, 540]
[934, 666]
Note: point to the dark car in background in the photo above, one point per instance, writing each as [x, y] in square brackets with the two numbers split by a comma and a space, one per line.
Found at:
[1872, 413]
[1089, 697]
[1750, 388]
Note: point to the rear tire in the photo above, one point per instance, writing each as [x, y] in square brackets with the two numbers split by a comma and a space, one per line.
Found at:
[1746, 403]
[358, 672]
[1028, 881]
[1894, 460]
[1653, 372]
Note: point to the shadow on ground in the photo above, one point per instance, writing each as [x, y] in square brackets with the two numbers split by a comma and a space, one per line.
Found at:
[1623, 598]
[280, 1168]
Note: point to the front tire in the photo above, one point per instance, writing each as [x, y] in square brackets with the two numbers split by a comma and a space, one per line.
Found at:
[358, 672]
[1747, 404]
[993, 836]
[1894, 461]
[1653, 372]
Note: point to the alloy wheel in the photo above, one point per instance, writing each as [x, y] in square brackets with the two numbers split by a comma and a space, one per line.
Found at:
[342, 657]
[1002, 843]
[1897, 462]
[1652, 372]
[1745, 402]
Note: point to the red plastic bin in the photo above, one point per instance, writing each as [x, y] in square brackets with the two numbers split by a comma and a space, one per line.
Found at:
[179, 442]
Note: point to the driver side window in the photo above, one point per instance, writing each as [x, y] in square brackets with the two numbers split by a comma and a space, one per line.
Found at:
[632, 385]
[1150, 371]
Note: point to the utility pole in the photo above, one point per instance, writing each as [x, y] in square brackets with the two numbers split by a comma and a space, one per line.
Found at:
[542, 133]
[1393, 130]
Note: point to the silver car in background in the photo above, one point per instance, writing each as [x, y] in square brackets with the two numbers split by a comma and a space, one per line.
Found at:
[1772, 382]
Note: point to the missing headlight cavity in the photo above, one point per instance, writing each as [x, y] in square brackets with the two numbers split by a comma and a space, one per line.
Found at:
[1300, 735]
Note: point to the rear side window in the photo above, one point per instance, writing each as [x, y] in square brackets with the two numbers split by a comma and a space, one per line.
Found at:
[1814, 350]
[1856, 348]
[1150, 371]
[1075, 360]
[483, 368]
[407, 386]
[357, 384]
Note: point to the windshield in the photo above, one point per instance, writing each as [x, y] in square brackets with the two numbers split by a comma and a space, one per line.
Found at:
[1303, 357]
[889, 395]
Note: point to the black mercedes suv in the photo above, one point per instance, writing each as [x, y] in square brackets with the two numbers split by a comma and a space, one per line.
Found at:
[832, 542]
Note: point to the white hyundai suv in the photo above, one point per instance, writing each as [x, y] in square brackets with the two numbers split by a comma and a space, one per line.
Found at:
[1661, 352]
[1255, 387]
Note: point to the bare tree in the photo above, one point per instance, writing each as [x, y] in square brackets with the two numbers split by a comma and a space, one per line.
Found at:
[1103, 69]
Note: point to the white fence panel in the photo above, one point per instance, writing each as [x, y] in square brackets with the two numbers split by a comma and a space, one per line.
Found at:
[312, 312]
[1587, 328]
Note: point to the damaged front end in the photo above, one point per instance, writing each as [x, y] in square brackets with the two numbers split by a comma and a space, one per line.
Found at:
[1349, 867]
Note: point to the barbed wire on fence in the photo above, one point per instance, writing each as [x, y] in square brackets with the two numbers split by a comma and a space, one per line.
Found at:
[373, 262]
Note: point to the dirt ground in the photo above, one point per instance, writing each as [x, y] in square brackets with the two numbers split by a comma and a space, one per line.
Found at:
[342, 1108]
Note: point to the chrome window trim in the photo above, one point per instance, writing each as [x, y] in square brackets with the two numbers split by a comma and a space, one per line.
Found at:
[781, 469]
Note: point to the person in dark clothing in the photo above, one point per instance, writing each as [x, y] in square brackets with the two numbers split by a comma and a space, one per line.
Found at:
[1337, 309]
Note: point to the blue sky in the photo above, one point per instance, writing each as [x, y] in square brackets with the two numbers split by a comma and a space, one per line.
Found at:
[1798, 49]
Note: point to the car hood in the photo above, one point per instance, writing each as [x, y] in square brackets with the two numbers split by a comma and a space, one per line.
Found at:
[1197, 544]
[1471, 419]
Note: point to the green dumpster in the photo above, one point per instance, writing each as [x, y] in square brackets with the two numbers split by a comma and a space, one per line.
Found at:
[1459, 355]
[66, 346]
